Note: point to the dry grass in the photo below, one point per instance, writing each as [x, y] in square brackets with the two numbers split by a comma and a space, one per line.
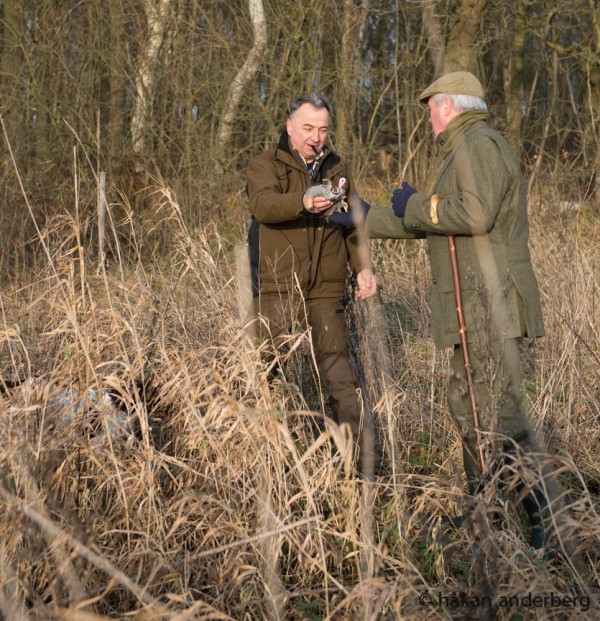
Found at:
[150, 471]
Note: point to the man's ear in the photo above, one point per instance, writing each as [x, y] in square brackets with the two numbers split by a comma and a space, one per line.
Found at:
[447, 103]
[288, 126]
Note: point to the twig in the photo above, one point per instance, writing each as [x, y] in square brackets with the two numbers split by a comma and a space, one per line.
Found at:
[257, 537]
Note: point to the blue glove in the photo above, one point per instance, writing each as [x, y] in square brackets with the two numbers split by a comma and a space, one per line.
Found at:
[400, 199]
[349, 218]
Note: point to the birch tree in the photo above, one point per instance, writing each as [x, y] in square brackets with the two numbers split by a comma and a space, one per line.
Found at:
[245, 74]
[157, 17]
[233, 66]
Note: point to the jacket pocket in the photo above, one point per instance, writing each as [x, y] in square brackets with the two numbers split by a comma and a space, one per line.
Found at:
[279, 260]
[333, 261]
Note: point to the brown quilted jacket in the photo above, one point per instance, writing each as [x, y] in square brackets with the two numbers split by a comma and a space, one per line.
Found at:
[288, 245]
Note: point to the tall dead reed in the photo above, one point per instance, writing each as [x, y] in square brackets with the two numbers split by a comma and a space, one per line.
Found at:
[151, 469]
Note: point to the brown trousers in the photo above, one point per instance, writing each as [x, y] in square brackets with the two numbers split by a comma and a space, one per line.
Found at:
[275, 316]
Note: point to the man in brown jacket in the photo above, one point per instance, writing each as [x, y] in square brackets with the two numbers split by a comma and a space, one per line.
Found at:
[299, 259]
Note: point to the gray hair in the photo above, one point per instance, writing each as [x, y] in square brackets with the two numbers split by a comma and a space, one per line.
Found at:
[316, 101]
[462, 102]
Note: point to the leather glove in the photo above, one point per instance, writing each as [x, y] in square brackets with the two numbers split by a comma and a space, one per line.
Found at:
[400, 199]
[353, 217]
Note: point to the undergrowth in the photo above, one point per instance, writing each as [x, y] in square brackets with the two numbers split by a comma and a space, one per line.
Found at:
[151, 468]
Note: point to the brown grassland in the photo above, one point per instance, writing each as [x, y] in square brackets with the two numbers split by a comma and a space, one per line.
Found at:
[149, 469]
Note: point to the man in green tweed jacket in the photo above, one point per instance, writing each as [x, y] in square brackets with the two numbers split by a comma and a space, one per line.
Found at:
[480, 198]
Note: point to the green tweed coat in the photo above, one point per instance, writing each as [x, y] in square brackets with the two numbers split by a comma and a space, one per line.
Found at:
[484, 205]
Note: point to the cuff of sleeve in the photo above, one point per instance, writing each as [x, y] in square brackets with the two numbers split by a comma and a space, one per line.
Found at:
[433, 208]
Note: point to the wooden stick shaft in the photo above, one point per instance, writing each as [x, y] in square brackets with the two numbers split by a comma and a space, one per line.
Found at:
[464, 345]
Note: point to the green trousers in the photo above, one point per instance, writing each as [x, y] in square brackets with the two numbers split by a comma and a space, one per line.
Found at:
[497, 379]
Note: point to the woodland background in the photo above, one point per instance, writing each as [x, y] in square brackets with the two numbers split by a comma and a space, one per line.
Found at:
[148, 469]
[189, 90]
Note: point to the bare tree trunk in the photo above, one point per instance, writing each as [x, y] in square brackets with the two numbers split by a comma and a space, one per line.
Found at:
[516, 94]
[435, 37]
[157, 13]
[245, 75]
[346, 89]
[461, 52]
[116, 98]
[540, 156]
[11, 61]
[594, 80]
[343, 89]
[594, 87]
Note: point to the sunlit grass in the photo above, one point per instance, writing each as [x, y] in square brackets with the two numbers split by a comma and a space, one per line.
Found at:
[151, 471]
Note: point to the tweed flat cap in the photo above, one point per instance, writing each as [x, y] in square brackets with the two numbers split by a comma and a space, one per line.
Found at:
[455, 83]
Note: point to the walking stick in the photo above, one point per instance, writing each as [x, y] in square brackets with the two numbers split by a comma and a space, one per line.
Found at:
[464, 345]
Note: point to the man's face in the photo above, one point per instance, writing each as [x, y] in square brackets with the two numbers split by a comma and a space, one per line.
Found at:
[438, 115]
[308, 129]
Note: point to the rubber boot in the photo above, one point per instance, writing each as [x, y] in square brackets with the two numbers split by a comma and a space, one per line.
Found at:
[538, 513]
[473, 485]
[471, 471]
[536, 506]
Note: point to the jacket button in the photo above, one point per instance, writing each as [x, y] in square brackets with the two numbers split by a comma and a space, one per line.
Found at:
[434, 281]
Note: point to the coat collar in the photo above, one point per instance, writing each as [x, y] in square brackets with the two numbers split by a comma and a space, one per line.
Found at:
[457, 127]
[453, 133]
